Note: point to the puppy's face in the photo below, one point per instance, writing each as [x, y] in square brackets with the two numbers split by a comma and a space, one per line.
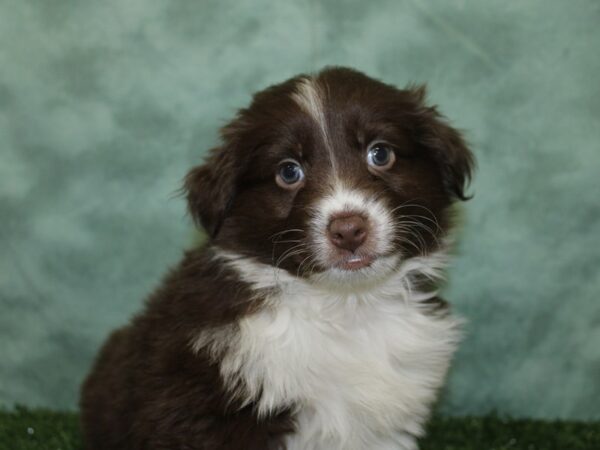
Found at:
[335, 177]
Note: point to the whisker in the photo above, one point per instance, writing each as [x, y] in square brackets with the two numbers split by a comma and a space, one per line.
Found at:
[409, 242]
[424, 227]
[432, 221]
[281, 233]
[289, 252]
[416, 205]
[300, 265]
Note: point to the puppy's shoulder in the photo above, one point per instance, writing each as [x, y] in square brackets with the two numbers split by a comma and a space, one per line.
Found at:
[201, 291]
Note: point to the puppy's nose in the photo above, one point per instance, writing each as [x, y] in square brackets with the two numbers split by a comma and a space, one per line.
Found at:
[348, 233]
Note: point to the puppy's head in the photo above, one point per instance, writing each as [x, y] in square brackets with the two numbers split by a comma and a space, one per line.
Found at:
[335, 176]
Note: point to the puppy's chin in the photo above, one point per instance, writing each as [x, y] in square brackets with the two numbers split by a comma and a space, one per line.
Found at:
[356, 274]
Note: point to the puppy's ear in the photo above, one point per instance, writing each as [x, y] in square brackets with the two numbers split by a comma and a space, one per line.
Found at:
[210, 189]
[446, 144]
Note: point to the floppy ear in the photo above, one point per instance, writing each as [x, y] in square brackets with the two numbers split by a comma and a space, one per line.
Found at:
[454, 158]
[210, 189]
[447, 146]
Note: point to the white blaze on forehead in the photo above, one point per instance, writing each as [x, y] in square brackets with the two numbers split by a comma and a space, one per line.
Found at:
[309, 97]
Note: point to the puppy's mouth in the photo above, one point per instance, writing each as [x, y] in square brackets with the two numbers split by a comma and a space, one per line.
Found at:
[354, 262]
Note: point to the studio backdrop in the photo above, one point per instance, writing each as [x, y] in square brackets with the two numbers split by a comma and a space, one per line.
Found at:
[104, 106]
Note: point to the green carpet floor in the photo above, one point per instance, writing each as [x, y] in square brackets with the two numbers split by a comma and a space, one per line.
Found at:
[24, 429]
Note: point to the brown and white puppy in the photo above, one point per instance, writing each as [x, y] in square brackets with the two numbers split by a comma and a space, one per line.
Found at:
[309, 320]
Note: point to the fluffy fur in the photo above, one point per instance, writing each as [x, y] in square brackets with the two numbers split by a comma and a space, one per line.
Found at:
[361, 368]
[276, 333]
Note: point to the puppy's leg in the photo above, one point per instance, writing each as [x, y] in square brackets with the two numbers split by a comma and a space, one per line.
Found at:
[168, 424]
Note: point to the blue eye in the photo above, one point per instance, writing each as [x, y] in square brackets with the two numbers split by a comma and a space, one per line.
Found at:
[290, 174]
[380, 156]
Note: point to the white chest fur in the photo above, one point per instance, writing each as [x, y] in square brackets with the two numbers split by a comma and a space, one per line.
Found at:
[360, 369]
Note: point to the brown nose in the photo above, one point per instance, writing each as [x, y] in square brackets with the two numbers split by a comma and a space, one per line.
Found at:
[348, 233]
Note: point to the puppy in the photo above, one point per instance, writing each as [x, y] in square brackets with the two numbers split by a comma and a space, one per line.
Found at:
[309, 319]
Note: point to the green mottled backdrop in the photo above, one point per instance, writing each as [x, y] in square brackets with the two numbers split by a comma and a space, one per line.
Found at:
[104, 105]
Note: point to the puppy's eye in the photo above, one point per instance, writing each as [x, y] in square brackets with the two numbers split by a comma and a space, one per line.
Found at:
[290, 174]
[380, 156]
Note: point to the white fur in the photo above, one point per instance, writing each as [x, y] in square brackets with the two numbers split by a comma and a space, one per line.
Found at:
[360, 368]
[309, 97]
